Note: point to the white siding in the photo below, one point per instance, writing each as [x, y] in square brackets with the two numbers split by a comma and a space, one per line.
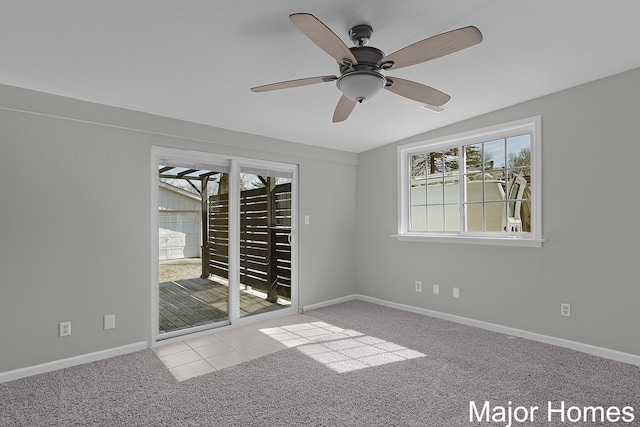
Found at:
[173, 201]
[179, 225]
[179, 235]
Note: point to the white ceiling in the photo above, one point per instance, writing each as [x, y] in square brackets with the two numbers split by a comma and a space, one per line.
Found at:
[195, 60]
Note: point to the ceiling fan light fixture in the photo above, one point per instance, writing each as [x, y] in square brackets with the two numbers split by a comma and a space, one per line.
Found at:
[361, 66]
[361, 85]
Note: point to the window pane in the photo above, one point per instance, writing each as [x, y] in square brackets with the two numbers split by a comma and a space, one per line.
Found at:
[474, 187]
[473, 157]
[452, 218]
[451, 179]
[494, 216]
[493, 190]
[474, 217]
[418, 194]
[418, 218]
[519, 204]
[418, 175]
[451, 189]
[434, 191]
[451, 160]
[435, 163]
[418, 163]
[525, 215]
[517, 186]
[436, 220]
[493, 154]
[519, 151]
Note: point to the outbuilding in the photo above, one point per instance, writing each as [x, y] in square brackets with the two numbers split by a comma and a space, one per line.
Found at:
[179, 223]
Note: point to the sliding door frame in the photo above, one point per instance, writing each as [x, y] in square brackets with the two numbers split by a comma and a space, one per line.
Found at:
[234, 164]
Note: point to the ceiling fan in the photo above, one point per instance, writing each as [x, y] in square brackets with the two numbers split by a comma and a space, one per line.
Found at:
[361, 66]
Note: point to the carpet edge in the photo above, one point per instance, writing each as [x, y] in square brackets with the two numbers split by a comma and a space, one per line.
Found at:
[593, 350]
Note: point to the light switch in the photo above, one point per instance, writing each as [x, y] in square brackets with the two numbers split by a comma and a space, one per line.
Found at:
[109, 321]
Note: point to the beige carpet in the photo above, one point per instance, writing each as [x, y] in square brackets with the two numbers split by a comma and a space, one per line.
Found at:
[458, 364]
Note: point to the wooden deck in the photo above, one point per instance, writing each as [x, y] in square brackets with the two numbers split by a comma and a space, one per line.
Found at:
[196, 302]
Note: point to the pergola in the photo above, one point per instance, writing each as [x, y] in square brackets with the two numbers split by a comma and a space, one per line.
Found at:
[191, 176]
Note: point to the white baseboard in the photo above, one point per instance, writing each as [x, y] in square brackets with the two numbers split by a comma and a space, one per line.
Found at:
[330, 302]
[71, 361]
[606, 353]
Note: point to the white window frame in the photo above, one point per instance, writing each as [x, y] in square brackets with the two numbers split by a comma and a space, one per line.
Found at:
[531, 125]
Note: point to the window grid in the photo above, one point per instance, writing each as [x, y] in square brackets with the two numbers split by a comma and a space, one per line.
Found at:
[494, 186]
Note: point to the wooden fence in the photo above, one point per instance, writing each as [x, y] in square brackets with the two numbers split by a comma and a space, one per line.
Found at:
[265, 226]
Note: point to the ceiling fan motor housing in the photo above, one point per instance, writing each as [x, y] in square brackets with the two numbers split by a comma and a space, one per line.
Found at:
[367, 56]
[363, 80]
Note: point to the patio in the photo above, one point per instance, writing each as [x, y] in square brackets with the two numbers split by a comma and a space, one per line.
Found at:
[194, 302]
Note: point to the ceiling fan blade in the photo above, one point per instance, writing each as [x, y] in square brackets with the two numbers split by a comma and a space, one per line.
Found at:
[322, 36]
[416, 91]
[434, 47]
[294, 83]
[343, 109]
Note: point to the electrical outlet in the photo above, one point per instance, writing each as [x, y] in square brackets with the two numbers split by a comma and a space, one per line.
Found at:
[565, 309]
[418, 286]
[436, 289]
[65, 329]
[456, 292]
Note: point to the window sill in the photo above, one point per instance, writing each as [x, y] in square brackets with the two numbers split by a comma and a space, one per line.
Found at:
[472, 240]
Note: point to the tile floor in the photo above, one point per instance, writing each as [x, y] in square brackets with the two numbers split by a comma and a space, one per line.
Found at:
[224, 348]
[340, 349]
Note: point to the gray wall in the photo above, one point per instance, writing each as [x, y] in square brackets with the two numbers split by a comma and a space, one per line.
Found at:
[70, 170]
[591, 149]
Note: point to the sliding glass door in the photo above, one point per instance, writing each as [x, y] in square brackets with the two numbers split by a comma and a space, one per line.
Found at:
[265, 240]
[226, 242]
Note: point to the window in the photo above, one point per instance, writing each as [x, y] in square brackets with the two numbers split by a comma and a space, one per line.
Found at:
[477, 187]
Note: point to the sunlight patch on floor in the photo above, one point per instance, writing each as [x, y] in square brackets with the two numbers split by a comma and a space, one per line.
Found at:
[342, 350]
